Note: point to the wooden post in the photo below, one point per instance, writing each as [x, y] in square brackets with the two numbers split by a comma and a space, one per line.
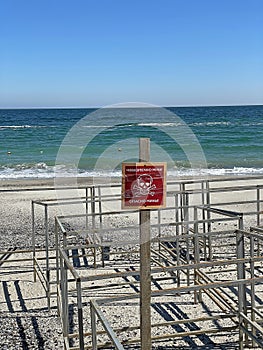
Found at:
[145, 266]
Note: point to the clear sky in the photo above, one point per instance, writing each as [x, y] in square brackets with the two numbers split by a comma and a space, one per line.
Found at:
[85, 53]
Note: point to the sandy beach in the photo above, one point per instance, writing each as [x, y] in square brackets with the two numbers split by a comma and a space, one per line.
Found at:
[25, 321]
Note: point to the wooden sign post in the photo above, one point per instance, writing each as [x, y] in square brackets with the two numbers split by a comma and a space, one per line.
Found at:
[145, 260]
[144, 187]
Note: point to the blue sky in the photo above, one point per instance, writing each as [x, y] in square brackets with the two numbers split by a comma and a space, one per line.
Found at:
[85, 53]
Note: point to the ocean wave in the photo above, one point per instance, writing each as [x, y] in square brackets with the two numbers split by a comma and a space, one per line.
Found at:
[96, 126]
[176, 124]
[44, 171]
[161, 124]
[226, 123]
[205, 123]
[215, 123]
[253, 124]
[24, 126]
[215, 171]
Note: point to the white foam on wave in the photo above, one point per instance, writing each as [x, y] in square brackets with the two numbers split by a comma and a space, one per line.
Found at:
[26, 171]
[215, 171]
[171, 124]
[210, 123]
[161, 124]
[95, 126]
[24, 126]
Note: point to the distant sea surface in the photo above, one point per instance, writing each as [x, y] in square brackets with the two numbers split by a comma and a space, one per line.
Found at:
[44, 143]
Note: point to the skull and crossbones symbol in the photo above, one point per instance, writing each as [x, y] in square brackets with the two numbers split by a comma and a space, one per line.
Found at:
[143, 186]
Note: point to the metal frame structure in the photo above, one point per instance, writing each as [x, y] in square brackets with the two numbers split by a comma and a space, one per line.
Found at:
[190, 238]
[187, 256]
[200, 283]
[91, 200]
[181, 193]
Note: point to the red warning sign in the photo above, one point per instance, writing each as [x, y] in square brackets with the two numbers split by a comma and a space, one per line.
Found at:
[143, 185]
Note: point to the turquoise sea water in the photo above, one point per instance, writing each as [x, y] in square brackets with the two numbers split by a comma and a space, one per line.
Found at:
[192, 140]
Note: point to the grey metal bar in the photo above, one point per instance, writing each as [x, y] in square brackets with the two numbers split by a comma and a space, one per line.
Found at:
[252, 287]
[33, 238]
[254, 325]
[80, 315]
[93, 327]
[242, 301]
[258, 206]
[47, 256]
[87, 206]
[106, 326]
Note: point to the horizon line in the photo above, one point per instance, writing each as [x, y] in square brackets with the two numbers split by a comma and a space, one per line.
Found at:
[150, 106]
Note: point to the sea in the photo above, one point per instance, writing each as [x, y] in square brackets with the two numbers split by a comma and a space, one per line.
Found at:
[64, 142]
